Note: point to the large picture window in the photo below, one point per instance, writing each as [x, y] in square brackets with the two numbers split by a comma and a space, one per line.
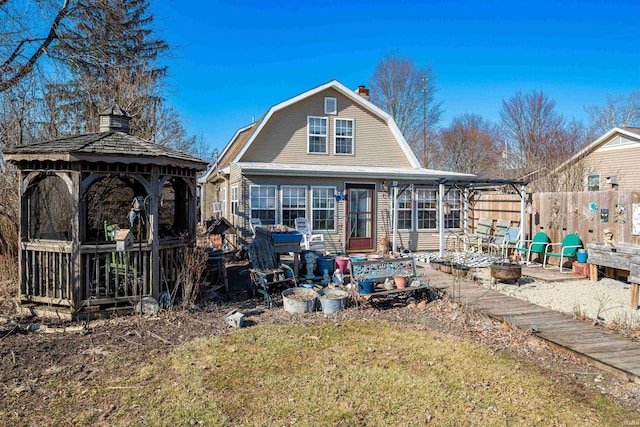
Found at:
[323, 208]
[262, 203]
[344, 136]
[317, 131]
[427, 208]
[405, 210]
[294, 204]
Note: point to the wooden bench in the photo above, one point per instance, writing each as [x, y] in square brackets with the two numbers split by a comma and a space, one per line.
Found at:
[622, 257]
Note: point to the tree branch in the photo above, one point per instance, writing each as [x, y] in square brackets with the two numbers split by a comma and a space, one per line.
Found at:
[26, 68]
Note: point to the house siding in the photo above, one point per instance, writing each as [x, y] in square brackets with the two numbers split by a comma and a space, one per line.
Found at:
[283, 139]
[620, 161]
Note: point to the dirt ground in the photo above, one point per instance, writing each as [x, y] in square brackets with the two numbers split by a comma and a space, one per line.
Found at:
[34, 354]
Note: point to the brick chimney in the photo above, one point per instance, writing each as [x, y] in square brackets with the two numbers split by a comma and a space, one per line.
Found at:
[363, 92]
[114, 119]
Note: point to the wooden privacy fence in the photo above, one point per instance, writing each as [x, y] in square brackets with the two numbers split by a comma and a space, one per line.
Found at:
[586, 213]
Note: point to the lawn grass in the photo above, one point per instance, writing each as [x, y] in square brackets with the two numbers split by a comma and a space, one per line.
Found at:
[352, 373]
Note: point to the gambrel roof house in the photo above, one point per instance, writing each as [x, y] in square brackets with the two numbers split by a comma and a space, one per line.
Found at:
[610, 162]
[332, 156]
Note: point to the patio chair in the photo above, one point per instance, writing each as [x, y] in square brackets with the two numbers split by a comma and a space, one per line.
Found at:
[310, 241]
[121, 265]
[511, 240]
[568, 249]
[266, 275]
[499, 234]
[482, 236]
[537, 245]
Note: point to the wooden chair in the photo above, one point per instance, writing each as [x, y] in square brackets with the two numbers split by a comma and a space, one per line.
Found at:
[266, 275]
[121, 266]
[537, 245]
[568, 250]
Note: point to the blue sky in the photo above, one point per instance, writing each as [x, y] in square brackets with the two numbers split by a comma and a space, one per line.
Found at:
[235, 59]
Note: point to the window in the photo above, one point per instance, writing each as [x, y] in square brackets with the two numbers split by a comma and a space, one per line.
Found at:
[405, 210]
[234, 200]
[426, 207]
[593, 182]
[323, 208]
[330, 105]
[344, 136]
[294, 204]
[453, 219]
[317, 130]
[262, 203]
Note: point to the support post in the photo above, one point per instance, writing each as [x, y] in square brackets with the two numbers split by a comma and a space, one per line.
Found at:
[395, 218]
[441, 191]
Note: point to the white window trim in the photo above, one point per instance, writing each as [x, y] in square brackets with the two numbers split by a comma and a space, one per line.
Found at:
[434, 210]
[335, 208]
[223, 200]
[326, 136]
[327, 101]
[458, 209]
[306, 200]
[234, 199]
[275, 187]
[411, 210]
[586, 184]
[335, 137]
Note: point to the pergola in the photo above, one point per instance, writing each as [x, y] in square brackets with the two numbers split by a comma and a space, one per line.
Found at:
[104, 217]
[468, 185]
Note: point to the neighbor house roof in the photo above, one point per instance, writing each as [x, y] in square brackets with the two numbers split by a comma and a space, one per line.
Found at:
[632, 132]
[103, 146]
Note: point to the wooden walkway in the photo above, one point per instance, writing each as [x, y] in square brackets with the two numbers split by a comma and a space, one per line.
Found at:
[603, 348]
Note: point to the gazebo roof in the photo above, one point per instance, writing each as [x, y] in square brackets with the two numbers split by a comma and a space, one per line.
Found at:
[109, 146]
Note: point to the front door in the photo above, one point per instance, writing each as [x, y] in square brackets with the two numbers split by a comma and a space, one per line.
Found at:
[360, 213]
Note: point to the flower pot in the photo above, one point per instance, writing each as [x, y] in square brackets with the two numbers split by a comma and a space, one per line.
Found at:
[400, 282]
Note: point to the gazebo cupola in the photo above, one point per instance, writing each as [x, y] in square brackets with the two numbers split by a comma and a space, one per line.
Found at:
[104, 217]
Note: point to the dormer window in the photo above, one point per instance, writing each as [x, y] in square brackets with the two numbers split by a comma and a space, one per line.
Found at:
[330, 105]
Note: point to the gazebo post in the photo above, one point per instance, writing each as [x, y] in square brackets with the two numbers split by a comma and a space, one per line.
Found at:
[154, 235]
[79, 285]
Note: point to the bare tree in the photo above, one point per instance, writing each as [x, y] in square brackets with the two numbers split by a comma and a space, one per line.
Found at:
[470, 145]
[406, 92]
[538, 139]
[27, 32]
[618, 111]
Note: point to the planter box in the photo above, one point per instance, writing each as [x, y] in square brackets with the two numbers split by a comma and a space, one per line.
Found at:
[289, 237]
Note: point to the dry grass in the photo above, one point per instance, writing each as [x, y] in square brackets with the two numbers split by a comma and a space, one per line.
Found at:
[350, 373]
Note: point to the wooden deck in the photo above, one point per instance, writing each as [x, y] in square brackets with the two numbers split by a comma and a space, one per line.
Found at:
[603, 348]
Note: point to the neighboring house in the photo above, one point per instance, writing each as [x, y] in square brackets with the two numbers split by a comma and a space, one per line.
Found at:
[610, 162]
[333, 157]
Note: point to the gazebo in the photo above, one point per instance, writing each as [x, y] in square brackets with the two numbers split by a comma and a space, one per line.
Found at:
[104, 218]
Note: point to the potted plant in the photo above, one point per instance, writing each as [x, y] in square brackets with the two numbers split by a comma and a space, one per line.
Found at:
[400, 281]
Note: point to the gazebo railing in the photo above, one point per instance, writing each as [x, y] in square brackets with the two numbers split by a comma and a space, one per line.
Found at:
[47, 272]
[110, 275]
